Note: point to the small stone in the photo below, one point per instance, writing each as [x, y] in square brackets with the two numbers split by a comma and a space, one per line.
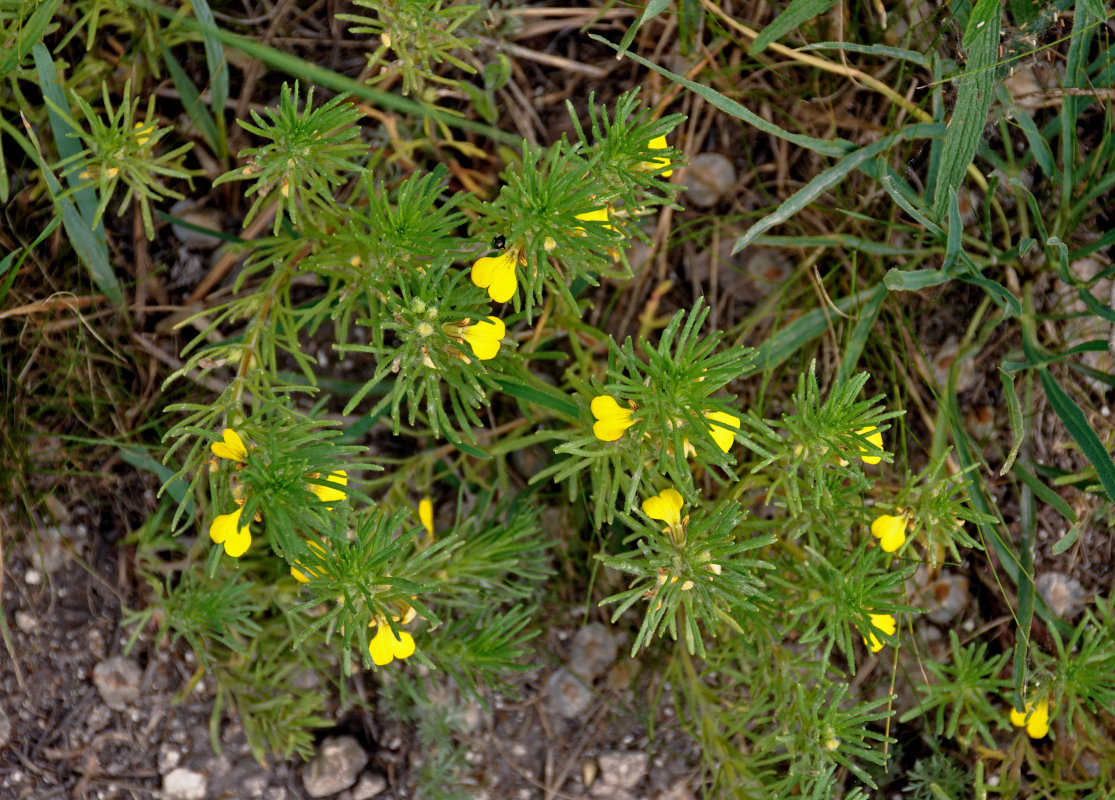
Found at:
[335, 767]
[254, 785]
[32, 577]
[567, 696]
[708, 177]
[679, 791]
[98, 718]
[1063, 595]
[185, 784]
[622, 770]
[369, 785]
[593, 651]
[25, 622]
[117, 679]
[169, 757]
[5, 729]
[951, 595]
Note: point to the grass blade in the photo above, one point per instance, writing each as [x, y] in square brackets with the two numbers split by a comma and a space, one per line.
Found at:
[1017, 423]
[214, 56]
[826, 180]
[803, 330]
[30, 35]
[78, 213]
[191, 103]
[981, 39]
[796, 14]
[1081, 432]
[858, 338]
[835, 148]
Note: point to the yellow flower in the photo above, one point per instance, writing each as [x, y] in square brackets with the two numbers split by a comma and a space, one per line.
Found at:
[876, 438]
[723, 437]
[890, 531]
[143, 132]
[231, 448]
[426, 515]
[1035, 718]
[485, 337]
[327, 494]
[658, 143]
[665, 507]
[884, 623]
[385, 646]
[596, 215]
[314, 572]
[227, 530]
[497, 275]
[612, 419]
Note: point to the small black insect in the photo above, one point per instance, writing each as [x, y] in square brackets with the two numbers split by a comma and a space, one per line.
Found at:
[500, 242]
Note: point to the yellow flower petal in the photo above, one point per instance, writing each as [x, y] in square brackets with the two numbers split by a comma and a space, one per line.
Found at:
[298, 575]
[385, 647]
[658, 143]
[426, 514]
[612, 419]
[876, 438]
[227, 530]
[143, 132]
[665, 507]
[231, 448]
[890, 530]
[1037, 726]
[596, 215]
[497, 275]
[485, 337]
[723, 437]
[328, 494]
[883, 622]
[223, 525]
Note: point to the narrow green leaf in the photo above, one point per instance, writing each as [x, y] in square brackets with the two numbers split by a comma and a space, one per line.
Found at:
[992, 535]
[1080, 430]
[557, 403]
[882, 50]
[796, 14]
[1040, 149]
[860, 333]
[191, 102]
[215, 58]
[803, 330]
[88, 243]
[1017, 423]
[826, 180]
[826, 147]
[1101, 310]
[1068, 540]
[955, 231]
[29, 35]
[653, 9]
[898, 280]
[1045, 494]
[176, 487]
[973, 100]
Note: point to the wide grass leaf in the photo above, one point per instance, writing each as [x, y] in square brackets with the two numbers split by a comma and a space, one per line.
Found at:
[973, 100]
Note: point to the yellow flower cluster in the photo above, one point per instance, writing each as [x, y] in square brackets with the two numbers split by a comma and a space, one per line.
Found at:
[227, 529]
[498, 274]
[1035, 719]
[613, 420]
[883, 622]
